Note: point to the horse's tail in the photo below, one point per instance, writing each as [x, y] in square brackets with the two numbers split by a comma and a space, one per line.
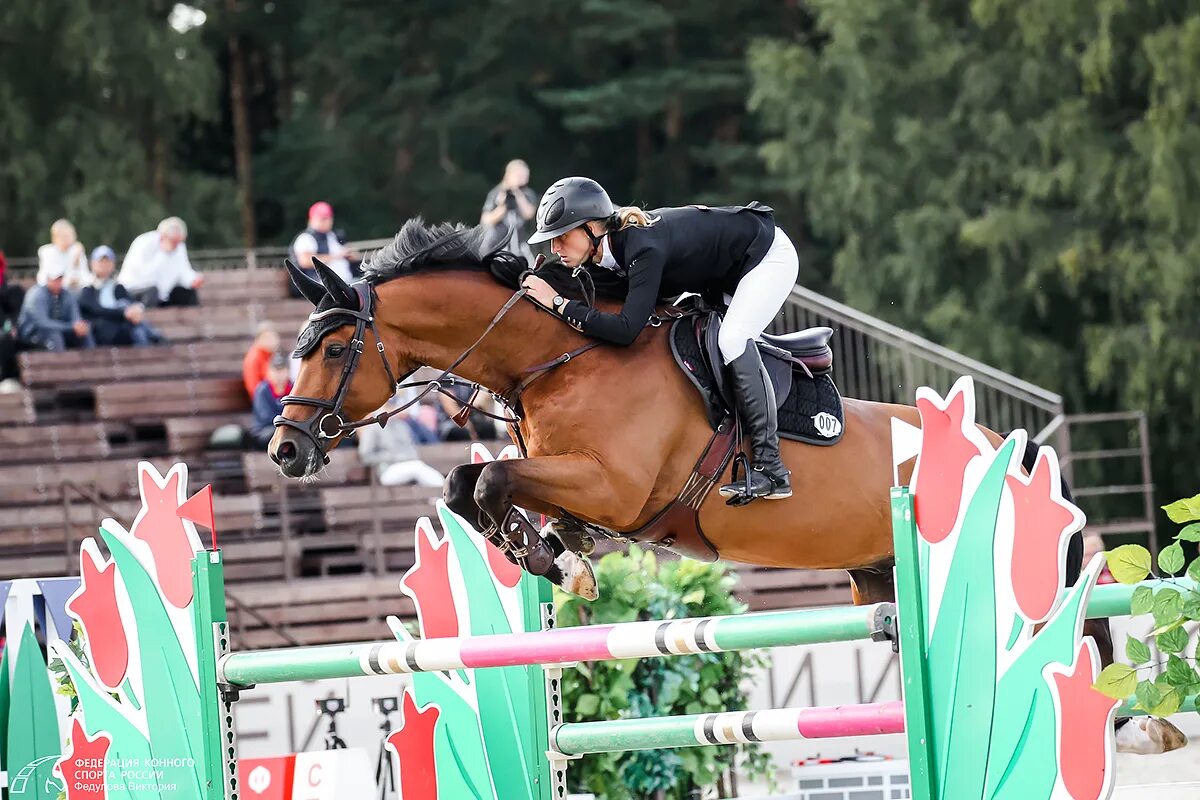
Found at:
[1075, 547]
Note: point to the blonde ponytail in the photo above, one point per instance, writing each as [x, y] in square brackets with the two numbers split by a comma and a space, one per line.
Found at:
[632, 215]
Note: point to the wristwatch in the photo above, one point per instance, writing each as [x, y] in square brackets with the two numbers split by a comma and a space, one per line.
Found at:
[558, 302]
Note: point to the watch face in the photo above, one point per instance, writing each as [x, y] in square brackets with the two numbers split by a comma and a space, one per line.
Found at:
[559, 300]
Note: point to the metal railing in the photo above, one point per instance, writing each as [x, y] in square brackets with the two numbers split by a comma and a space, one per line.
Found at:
[875, 360]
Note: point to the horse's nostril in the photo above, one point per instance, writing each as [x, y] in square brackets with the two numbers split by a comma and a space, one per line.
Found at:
[286, 452]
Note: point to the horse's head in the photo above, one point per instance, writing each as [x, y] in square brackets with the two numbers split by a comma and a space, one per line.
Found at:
[346, 372]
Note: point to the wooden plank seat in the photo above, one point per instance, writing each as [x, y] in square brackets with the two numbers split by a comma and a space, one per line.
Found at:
[109, 364]
[317, 610]
[38, 483]
[233, 321]
[16, 408]
[191, 434]
[166, 398]
[29, 528]
[40, 443]
[263, 475]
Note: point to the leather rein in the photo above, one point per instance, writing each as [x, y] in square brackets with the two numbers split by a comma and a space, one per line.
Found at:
[318, 429]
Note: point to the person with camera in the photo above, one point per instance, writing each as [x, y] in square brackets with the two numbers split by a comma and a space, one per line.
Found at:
[508, 211]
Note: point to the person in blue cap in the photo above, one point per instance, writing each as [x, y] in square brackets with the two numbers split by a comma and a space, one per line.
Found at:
[115, 317]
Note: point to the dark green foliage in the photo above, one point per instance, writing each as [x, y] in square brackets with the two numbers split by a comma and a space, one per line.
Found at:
[638, 587]
[1014, 179]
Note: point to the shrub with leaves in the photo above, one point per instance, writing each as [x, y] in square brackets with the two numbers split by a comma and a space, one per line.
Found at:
[637, 587]
[1173, 605]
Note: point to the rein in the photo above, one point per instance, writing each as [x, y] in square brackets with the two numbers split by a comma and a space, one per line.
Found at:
[364, 319]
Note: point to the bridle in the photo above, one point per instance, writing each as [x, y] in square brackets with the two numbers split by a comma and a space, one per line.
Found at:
[327, 423]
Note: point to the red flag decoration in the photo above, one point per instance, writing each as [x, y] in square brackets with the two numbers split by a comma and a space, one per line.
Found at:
[198, 509]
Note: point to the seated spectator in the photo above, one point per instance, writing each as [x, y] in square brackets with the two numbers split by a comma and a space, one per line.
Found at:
[423, 432]
[478, 427]
[319, 239]
[393, 453]
[11, 296]
[156, 269]
[50, 317]
[115, 318]
[268, 400]
[66, 252]
[258, 357]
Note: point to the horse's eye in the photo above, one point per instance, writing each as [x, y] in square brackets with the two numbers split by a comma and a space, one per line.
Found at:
[335, 350]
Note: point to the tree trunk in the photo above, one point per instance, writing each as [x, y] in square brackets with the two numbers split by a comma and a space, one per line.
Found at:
[242, 145]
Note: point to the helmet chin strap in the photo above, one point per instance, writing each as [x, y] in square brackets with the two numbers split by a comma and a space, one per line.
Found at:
[595, 240]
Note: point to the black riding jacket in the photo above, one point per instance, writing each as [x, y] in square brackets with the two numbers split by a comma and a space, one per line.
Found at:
[689, 249]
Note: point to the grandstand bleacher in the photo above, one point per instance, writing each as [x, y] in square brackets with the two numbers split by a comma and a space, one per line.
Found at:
[307, 562]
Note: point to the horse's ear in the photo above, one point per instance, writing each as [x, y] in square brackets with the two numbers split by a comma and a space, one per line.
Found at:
[312, 290]
[338, 288]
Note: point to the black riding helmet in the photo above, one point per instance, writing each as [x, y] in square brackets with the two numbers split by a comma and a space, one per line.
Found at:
[567, 205]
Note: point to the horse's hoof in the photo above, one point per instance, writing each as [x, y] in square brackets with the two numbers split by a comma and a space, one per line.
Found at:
[578, 578]
[1149, 736]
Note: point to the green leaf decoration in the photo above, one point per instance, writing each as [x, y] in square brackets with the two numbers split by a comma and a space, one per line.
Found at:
[1184, 510]
[1168, 704]
[1168, 607]
[1191, 607]
[1180, 673]
[1148, 695]
[1117, 681]
[1129, 563]
[1171, 559]
[1189, 533]
[1136, 651]
[1142, 601]
[1173, 641]
[1193, 571]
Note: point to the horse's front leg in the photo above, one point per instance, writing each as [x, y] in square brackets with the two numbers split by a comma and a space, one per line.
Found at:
[576, 482]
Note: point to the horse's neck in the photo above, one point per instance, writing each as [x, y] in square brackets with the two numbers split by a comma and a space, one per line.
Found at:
[437, 316]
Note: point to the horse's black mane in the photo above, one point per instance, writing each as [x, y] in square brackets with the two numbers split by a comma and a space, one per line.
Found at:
[427, 247]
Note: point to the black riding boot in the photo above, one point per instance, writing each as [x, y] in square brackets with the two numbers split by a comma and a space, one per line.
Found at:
[768, 477]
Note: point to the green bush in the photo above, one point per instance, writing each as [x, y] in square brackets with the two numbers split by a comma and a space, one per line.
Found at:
[637, 587]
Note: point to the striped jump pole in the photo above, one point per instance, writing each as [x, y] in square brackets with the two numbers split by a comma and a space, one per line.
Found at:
[562, 646]
[593, 643]
[730, 727]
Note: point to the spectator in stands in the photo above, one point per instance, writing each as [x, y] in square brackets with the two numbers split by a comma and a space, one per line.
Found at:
[258, 358]
[319, 239]
[65, 252]
[50, 317]
[114, 316]
[393, 453]
[11, 296]
[508, 210]
[268, 400]
[478, 427]
[156, 270]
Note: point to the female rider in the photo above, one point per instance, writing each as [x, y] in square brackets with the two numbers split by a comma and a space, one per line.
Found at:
[735, 251]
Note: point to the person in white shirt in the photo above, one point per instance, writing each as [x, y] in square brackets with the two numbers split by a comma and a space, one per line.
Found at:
[64, 254]
[156, 269]
[318, 239]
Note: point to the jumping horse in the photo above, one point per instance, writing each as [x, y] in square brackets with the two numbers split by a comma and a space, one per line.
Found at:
[611, 436]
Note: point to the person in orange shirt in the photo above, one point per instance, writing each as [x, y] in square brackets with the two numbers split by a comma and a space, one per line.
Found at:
[258, 357]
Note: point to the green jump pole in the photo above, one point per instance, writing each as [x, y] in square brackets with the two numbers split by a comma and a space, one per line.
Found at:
[1113, 599]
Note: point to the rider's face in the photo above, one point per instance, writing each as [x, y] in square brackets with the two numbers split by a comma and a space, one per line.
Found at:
[572, 247]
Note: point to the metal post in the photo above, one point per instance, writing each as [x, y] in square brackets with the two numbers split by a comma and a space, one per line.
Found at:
[285, 524]
[1147, 481]
[377, 521]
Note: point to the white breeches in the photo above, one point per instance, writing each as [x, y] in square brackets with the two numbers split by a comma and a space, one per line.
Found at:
[403, 473]
[758, 297]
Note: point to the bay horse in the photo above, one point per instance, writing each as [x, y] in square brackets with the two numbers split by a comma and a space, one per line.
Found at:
[611, 435]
